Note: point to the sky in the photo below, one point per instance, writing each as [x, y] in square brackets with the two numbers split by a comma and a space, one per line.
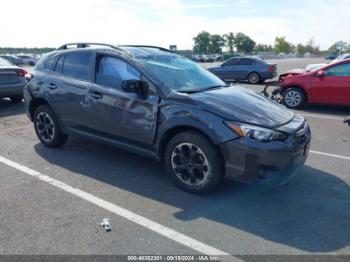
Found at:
[51, 23]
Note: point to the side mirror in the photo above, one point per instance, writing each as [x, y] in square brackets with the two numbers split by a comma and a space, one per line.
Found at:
[135, 86]
[320, 73]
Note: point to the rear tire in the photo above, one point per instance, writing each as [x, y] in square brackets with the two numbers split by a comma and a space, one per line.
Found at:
[253, 78]
[193, 162]
[16, 99]
[47, 127]
[294, 97]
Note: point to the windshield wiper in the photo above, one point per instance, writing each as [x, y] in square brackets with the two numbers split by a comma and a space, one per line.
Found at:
[202, 90]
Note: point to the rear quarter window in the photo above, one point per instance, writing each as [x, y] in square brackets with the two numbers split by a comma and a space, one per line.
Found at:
[77, 65]
[48, 64]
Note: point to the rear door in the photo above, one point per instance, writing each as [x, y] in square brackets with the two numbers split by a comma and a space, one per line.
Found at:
[334, 86]
[67, 86]
[119, 115]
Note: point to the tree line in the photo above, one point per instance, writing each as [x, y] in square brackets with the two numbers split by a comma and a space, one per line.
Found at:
[24, 50]
[206, 43]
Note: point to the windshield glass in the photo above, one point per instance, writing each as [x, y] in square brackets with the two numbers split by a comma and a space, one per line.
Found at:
[175, 72]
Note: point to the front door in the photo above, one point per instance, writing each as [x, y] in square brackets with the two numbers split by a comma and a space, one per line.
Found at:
[229, 69]
[119, 115]
[334, 86]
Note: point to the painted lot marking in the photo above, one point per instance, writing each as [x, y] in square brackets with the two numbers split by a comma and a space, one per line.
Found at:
[331, 155]
[323, 116]
[133, 217]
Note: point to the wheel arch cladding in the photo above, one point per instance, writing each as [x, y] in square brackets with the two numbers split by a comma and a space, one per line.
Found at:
[35, 103]
[215, 131]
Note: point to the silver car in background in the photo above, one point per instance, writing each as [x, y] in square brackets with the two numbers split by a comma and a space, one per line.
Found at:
[12, 81]
[27, 59]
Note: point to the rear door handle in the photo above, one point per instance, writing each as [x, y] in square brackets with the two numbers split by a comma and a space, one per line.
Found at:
[95, 94]
[52, 86]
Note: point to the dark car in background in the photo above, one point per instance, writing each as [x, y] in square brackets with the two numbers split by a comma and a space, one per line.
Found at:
[331, 56]
[159, 104]
[252, 69]
[12, 81]
[13, 59]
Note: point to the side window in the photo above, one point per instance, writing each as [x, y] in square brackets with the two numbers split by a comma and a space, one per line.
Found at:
[338, 70]
[111, 71]
[245, 61]
[59, 65]
[77, 65]
[49, 63]
[232, 61]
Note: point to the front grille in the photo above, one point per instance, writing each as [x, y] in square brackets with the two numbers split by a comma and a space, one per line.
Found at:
[303, 133]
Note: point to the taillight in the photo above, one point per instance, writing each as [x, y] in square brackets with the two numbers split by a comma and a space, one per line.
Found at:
[270, 68]
[21, 72]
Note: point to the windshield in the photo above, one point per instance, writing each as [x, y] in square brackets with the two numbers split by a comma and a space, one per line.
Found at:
[176, 72]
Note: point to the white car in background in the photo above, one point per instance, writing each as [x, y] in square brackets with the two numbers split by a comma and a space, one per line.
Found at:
[341, 57]
[313, 67]
[28, 59]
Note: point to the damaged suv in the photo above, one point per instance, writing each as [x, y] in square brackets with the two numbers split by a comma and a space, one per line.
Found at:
[151, 101]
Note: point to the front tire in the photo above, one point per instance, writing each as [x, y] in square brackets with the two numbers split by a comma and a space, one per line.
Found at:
[47, 127]
[193, 162]
[294, 97]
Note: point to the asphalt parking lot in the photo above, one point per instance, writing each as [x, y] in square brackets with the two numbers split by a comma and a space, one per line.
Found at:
[40, 215]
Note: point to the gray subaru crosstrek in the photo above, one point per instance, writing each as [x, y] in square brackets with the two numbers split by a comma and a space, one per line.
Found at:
[159, 104]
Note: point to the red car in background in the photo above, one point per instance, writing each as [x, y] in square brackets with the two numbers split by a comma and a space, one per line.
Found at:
[327, 85]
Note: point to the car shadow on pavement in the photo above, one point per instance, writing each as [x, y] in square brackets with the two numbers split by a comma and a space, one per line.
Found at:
[7, 108]
[310, 213]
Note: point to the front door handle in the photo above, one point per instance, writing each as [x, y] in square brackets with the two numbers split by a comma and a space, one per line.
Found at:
[95, 95]
[52, 86]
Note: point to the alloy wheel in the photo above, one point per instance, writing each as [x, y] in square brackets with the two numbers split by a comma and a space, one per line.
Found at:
[253, 78]
[293, 98]
[45, 127]
[190, 164]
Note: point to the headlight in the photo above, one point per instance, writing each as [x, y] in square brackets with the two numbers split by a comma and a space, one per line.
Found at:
[256, 133]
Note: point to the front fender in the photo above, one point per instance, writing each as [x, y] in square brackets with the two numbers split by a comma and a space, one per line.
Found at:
[179, 117]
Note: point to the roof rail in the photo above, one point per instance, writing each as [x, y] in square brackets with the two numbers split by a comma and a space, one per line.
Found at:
[149, 46]
[86, 44]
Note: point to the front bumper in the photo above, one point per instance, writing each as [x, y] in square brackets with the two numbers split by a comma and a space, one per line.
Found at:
[252, 161]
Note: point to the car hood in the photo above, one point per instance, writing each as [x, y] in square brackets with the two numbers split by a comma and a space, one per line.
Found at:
[244, 105]
[297, 71]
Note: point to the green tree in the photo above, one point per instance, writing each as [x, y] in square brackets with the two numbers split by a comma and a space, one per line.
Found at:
[301, 49]
[244, 43]
[230, 41]
[201, 43]
[333, 49]
[263, 48]
[339, 47]
[216, 44]
[281, 45]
